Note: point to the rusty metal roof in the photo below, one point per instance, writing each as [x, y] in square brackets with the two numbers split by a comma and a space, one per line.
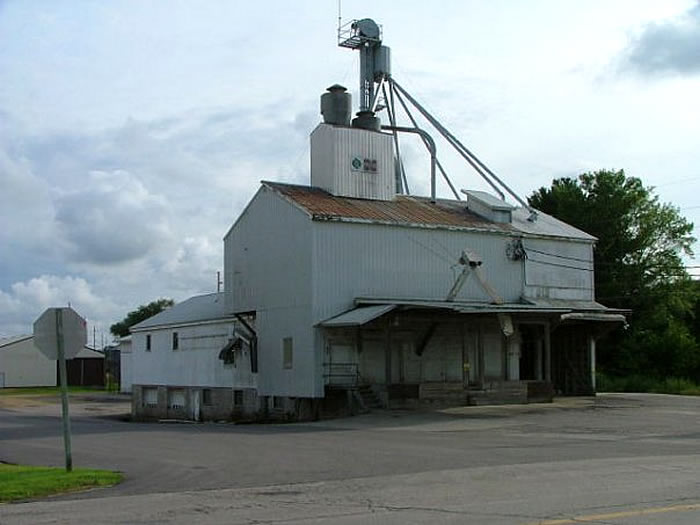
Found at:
[403, 210]
[419, 212]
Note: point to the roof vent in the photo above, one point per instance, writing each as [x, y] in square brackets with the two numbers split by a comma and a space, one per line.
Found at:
[336, 106]
[489, 207]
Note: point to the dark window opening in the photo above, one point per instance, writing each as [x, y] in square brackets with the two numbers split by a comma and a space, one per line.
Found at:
[287, 353]
[238, 398]
[206, 397]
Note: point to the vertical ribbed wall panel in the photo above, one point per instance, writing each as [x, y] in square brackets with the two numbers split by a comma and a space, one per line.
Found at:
[559, 269]
[366, 260]
[268, 258]
[333, 149]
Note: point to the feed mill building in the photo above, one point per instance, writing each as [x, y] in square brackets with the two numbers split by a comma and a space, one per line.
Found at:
[348, 294]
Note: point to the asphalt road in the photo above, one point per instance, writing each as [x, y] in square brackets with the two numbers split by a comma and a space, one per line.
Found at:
[615, 459]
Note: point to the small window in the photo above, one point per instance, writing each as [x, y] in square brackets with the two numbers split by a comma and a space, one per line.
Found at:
[287, 352]
[176, 342]
[150, 397]
[206, 397]
[238, 398]
[176, 399]
[148, 342]
[278, 402]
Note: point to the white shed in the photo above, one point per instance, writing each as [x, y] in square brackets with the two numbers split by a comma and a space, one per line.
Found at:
[23, 365]
[192, 361]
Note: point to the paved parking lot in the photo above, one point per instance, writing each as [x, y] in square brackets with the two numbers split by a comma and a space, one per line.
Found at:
[615, 459]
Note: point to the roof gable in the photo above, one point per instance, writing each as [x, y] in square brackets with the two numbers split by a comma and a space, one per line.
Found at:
[208, 307]
[7, 341]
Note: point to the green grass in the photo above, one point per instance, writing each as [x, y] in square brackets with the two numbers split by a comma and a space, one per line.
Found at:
[640, 383]
[18, 482]
[47, 390]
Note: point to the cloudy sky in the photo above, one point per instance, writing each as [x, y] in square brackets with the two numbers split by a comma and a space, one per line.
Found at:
[132, 133]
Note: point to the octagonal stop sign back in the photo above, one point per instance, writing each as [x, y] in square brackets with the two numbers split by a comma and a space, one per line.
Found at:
[73, 328]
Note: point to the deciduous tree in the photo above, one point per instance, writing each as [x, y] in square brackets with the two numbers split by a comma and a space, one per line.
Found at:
[142, 313]
[638, 265]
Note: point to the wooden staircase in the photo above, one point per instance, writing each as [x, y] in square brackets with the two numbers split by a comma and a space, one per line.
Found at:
[368, 397]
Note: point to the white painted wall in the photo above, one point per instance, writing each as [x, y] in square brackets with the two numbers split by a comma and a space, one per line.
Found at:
[126, 366]
[559, 269]
[267, 260]
[371, 260]
[333, 148]
[195, 363]
[23, 365]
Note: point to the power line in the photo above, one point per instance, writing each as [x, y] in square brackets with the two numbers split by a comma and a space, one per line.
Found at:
[436, 254]
[557, 255]
[561, 265]
[678, 181]
[602, 263]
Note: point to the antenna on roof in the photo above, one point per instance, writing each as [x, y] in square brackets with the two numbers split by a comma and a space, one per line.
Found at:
[340, 19]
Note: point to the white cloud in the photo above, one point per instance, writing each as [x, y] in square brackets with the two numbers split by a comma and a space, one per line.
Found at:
[136, 212]
[671, 46]
[26, 301]
[112, 219]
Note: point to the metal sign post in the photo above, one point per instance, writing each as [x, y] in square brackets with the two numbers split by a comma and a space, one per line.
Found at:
[60, 333]
[63, 372]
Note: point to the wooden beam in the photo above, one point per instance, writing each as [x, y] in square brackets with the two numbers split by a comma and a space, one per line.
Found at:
[426, 339]
[547, 353]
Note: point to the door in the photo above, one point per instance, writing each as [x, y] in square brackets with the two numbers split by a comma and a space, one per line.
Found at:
[471, 357]
[411, 363]
[443, 357]
[493, 356]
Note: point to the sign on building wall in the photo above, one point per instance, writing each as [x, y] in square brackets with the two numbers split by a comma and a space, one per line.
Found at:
[363, 164]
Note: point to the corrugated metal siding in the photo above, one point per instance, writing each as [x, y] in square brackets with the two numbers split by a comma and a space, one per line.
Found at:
[270, 242]
[268, 266]
[195, 363]
[332, 151]
[22, 364]
[559, 269]
[296, 272]
[364, 260]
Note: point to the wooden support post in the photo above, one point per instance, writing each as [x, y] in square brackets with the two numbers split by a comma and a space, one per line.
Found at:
[547, 353]
[387, 351]
[480, 353]
[591, 348]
